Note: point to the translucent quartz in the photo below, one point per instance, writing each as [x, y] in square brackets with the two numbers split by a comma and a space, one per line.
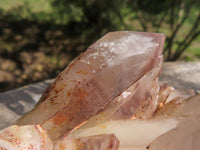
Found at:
[140, 100]
[96, 103]
[28, 137]
[186, 135]
[94, 79]
[97, 142]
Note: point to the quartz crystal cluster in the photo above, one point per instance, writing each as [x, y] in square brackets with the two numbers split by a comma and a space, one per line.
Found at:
[110, 98]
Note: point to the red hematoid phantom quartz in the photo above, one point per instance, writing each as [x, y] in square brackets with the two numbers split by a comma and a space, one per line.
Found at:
[116, 78]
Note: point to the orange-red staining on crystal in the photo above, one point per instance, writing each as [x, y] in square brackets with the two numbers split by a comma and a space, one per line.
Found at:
[30, 147]
[69, 93]
[53, 100]
[83, 93]
[58, 90]
[79, 125]
[133, 117]
[103, 126]
[83, 72]
[1, 148]
[8, 136]
[43, 135]
[59, 119]
[78, 71]
[160, 105]
[62, 146]
[59, 77]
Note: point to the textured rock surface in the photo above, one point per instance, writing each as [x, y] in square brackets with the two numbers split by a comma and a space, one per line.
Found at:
[15, 103]
[182, 75]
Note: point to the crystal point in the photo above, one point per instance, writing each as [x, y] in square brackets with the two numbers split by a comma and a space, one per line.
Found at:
[115, 74]
[109, 98]
[94, 79]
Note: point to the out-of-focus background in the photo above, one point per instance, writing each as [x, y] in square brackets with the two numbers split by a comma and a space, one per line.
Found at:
[38, 38]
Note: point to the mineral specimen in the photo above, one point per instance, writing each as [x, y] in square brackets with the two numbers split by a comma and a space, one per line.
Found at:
[94, 79]
[108, 98]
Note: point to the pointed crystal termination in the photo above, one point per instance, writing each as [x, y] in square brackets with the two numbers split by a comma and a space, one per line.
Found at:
[94, 79]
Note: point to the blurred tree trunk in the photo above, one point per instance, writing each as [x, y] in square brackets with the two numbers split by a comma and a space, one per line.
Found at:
[155, 15]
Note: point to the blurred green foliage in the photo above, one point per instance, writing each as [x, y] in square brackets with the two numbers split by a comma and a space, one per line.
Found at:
[91, 18]
[39, 37]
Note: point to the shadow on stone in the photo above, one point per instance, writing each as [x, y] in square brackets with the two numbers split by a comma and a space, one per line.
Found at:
[16, 103]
